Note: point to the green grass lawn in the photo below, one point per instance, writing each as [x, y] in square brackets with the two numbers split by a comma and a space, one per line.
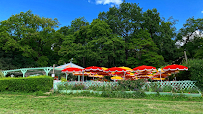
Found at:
[15, 103]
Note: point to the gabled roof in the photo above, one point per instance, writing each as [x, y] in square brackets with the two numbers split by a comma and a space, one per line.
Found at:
[69, 65]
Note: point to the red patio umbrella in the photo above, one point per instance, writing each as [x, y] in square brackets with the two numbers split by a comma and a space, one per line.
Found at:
[104, 73]
[142, 73]
[71, 70]
[163, 75]
[81, 74]
[116, 69]
[93, 69]
[175, 67]
[119, 73]
[144, 68]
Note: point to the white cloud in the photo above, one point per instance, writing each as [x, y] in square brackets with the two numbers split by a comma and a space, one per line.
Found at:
[197, 33]
[201, 11]
[104, 2]
[99, 1]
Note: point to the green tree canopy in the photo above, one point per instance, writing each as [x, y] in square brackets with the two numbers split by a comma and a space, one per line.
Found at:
[30, 34]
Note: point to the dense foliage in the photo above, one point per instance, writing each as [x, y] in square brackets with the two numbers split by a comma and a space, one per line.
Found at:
[29, 84]
[195, 72]
[123, 36]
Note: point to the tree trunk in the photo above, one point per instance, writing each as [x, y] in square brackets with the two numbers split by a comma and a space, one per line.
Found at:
[84, 62]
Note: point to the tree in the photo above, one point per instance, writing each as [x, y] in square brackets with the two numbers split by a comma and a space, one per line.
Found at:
[143, 50]
[162, 32]
[93, 44]
[123, 21]
[30, 34]
[190, 37]
[107, 47]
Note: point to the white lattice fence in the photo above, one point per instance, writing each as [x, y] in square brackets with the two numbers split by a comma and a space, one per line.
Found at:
[175, 84]
[87, 84]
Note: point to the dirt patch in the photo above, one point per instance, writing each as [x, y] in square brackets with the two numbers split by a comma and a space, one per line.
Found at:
[41, 97]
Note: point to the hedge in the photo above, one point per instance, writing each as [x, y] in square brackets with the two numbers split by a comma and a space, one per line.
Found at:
[28, 84]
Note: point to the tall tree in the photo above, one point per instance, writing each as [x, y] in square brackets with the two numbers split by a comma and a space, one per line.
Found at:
[32, 35]
[93, 45]
[107, 47]
[123, 21]
[74, 40]
[144, 50]
[162, 33]
[190, 38]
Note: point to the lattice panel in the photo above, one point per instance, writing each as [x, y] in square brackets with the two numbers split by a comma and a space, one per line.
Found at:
[87, 84]
[174, 84]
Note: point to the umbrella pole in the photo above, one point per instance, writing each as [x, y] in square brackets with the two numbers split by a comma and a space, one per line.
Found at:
[124, 76]
[78, 78]
[160, 78]
[83, 76]
[66, 76]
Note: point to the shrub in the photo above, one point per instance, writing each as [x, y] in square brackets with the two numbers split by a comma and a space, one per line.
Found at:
[191, 90]
[28, 84]
[155, 87]
[132, 85]
[167, 88]
[63, 79]
[195, 72]
[78, 87]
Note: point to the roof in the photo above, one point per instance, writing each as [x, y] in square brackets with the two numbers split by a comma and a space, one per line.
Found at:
[69, 65]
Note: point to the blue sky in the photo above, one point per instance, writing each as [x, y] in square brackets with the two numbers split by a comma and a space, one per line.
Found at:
[67, 10]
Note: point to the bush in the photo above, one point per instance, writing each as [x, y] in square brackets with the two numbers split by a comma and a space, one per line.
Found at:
[78, 87]
[155, 87]
[63, 79]
[28, 84]
[195, 72]
[167, 88]
[132, 85]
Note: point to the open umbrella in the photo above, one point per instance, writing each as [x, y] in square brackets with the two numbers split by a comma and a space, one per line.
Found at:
[93, 69]
[116, 78]
[71, 70]
[130, 76]
[98, 76]
[144, 72]
[104, 68]
[126, 68]
[104, 73]
[163, 75]
[144, 68]
[116, 69]
[158, 78]
[175, 67]
[81, 74]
